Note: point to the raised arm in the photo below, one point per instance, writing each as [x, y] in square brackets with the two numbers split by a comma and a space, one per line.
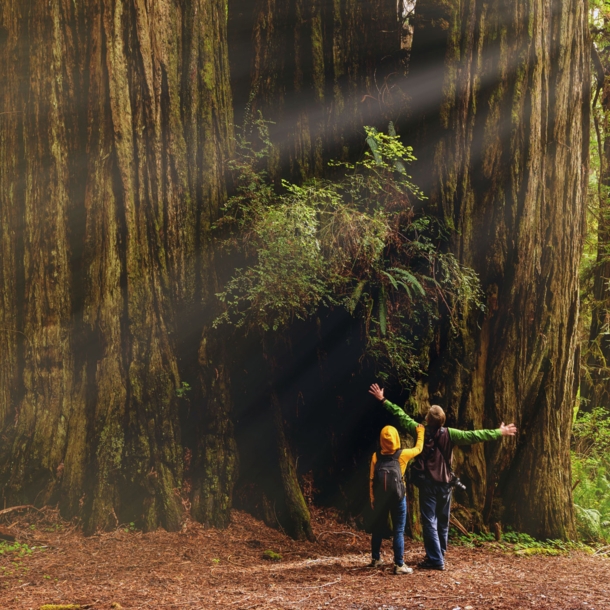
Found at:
[405, 421]
[409, 454]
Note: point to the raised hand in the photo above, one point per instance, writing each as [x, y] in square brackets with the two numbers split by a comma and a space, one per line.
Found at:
[509, 430]
[377, 392]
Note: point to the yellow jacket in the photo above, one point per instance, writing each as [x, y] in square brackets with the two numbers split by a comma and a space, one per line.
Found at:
[390, 443]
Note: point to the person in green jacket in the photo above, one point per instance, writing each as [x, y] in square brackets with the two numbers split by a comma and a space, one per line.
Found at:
[434, 464]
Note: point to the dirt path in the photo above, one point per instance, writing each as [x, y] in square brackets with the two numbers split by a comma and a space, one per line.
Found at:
[201, 569]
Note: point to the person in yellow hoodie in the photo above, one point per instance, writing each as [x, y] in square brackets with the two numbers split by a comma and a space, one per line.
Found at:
[387, 490]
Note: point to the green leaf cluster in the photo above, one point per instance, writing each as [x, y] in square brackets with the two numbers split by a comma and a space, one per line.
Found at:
[359, 240]
[14, 548]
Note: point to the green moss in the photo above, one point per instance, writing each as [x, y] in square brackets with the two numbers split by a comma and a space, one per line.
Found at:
[270, 555]
[538, 551]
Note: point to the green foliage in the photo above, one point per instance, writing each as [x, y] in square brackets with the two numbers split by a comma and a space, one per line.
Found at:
[16, 549]
[183, 390]
[354, 241]
[270, 555]
[518, 543]
[591, 473]
[595, 302]
[590, 458]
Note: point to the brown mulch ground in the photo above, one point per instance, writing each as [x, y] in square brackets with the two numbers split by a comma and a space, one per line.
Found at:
[200, 569]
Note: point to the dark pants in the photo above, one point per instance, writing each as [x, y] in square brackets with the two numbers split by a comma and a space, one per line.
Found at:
[434, 506]
[398, 513]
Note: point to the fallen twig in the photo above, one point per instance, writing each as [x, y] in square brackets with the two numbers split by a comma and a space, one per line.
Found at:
[458, 525]
[241, 565]
[24, 507]
[328, 584]
[335, 534]
[239, 601]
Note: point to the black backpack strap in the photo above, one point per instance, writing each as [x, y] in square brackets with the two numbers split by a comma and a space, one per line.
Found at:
[396, 454]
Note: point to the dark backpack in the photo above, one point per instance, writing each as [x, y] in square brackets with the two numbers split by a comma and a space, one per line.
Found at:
[388, 483]
[432, 464]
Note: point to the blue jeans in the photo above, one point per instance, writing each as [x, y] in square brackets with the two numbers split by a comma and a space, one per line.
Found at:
[399, 520]
[434, 506]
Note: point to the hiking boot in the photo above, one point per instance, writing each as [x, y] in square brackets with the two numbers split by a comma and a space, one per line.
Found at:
[375, 563]
[403, 569]
[426, 564]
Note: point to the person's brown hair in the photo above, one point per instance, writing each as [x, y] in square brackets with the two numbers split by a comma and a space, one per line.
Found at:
[435, 417]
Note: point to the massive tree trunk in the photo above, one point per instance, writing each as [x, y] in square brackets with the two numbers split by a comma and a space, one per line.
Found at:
[501, 95]
[116, 121]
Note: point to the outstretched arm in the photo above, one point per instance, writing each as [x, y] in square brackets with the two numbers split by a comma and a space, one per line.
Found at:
[405, 421]
[469, 437]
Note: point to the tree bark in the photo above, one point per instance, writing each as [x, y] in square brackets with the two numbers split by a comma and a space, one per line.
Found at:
[501, 94]
[209, 126]
[43, 87]
[116, 249]
[294, 516]
[11, 216]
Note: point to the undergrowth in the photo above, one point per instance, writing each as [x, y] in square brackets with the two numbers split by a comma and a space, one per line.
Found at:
[591, 474]
[359, 240]
[520, 544]
[14, 549]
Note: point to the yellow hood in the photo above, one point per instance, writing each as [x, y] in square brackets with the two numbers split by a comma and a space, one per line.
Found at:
[389, 439]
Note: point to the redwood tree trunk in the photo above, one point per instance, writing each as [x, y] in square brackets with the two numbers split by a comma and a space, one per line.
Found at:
[502, 96]
[118, 118]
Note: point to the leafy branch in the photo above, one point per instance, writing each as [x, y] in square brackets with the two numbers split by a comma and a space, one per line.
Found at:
[354, 241]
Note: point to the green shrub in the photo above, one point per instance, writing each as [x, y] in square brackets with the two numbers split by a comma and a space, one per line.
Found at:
[356, 241]
[591, 474]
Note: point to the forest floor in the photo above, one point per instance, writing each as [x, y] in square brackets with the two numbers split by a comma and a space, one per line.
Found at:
[53, 563]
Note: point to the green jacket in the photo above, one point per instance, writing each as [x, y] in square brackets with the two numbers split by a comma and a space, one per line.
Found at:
[458, 437]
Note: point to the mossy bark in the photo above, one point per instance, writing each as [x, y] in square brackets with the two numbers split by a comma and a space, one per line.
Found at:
[41, 87]
[112, 166]
[294, 515]
[501, 94]
[216, 458]
[208, 121]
